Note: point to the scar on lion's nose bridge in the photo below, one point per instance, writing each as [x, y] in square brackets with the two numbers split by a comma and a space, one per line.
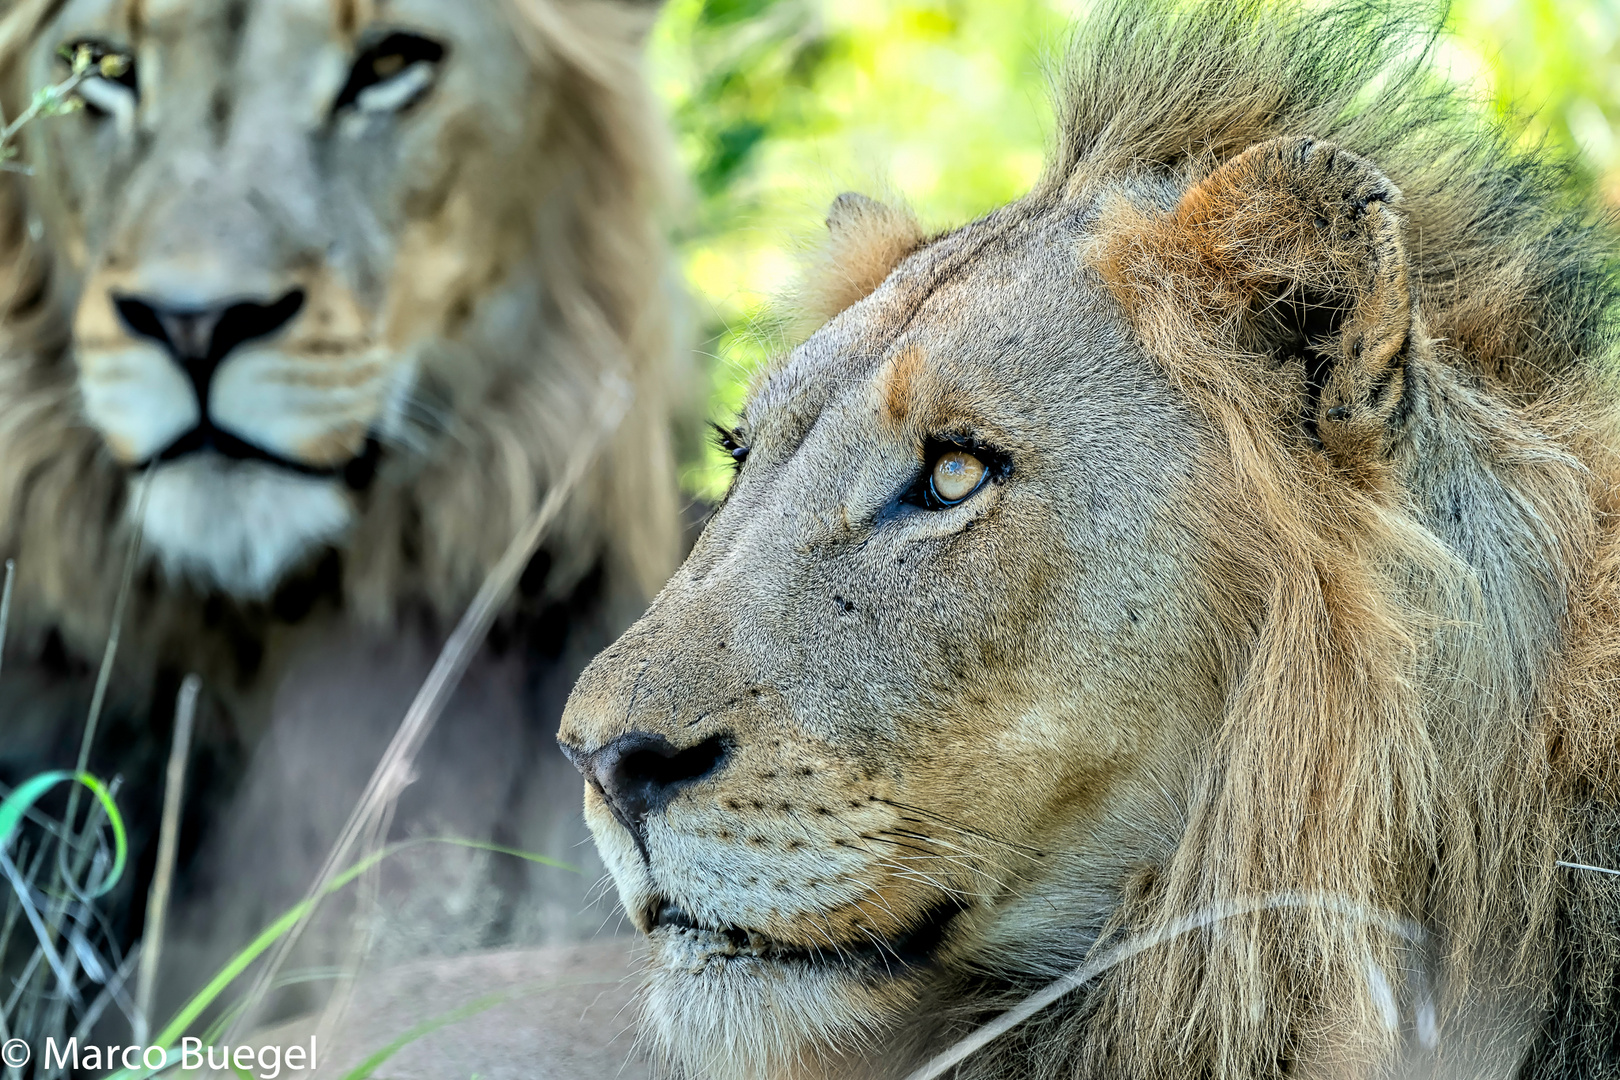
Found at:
[639, 772]
[199, 338]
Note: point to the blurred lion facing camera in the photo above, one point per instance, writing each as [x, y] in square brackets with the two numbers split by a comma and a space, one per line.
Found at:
[322, 298]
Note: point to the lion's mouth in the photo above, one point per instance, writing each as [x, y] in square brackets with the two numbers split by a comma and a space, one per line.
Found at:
[205, 437]
[914, 948]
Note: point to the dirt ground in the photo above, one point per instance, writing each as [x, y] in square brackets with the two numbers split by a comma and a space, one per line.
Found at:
[558, 1013]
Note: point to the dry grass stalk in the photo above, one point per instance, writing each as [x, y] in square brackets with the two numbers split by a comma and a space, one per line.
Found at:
[157, 907]
[366, 826]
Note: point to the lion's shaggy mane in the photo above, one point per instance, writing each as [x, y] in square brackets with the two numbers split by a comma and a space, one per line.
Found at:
[1401, 742]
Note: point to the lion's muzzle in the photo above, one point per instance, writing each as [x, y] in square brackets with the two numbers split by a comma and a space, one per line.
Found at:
[638, 772]
[247, 403]
[198, 339]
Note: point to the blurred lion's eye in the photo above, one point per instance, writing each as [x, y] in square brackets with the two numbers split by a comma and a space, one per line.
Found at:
[957, 475]
[109, 85]
[391, 75]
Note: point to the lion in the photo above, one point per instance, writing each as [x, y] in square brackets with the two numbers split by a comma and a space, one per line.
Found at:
[1204, 569]
[321, 299]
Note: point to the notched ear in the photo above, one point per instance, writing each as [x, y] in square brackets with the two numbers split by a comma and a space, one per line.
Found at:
[866, 240]
[1295, 249]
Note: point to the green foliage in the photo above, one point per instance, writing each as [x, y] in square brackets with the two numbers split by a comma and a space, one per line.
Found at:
[780, 104]
[1556, 63]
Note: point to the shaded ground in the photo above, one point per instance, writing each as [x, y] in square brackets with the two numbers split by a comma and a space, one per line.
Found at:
[565, 1012]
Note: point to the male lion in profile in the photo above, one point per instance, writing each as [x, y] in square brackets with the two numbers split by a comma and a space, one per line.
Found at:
[1206, 567]
[326, 293]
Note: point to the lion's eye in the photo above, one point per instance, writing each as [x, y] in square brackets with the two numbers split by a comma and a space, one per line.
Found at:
[391, 75]
[957, 475]
[954, 468]
[109, 86]
[731, 441]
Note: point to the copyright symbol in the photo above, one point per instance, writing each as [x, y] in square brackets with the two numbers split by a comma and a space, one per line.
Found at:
[15, 1053]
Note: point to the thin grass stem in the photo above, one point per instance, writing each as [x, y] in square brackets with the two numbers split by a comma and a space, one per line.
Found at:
[1588, 866]
[5, 606]
[393, 772]
[1054, 991]
[42, 932]
[98, 696]
[157, 906]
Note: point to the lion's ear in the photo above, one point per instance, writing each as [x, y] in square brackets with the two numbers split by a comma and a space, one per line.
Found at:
[1295, 249]
[866, 240]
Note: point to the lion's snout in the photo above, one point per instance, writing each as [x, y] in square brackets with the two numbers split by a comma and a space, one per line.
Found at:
[197, 339]
[638, 772]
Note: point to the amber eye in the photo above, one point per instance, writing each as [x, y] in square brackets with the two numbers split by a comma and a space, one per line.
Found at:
[392, 74]
[957, 475]
[954, 467]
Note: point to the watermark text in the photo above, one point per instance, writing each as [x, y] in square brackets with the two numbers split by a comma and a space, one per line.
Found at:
[263, 1062]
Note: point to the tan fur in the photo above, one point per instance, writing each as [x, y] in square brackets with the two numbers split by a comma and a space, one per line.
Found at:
[1291, 614]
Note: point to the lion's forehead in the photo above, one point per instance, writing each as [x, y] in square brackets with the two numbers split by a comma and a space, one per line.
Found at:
[991, 341]
[222, 28]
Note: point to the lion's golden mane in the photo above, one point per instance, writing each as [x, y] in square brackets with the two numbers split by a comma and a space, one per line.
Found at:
[1327, 776]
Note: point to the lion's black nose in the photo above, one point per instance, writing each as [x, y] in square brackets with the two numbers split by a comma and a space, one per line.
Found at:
[639, 772]
[199, 338]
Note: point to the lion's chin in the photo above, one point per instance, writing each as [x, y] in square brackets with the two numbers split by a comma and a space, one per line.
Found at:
[237, 526]
[725, 1014]
[732, 1005]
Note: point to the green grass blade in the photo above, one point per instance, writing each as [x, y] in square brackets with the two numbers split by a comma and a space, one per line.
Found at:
[26, 794]
[267, 937]
[364, 1070]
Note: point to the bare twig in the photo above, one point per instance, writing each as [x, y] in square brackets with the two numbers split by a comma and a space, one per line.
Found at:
[157, 906]
[46, 101]
[56, 99]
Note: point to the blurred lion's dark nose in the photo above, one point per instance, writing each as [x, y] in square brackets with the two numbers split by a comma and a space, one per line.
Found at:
[199, 338]
[639, 772]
